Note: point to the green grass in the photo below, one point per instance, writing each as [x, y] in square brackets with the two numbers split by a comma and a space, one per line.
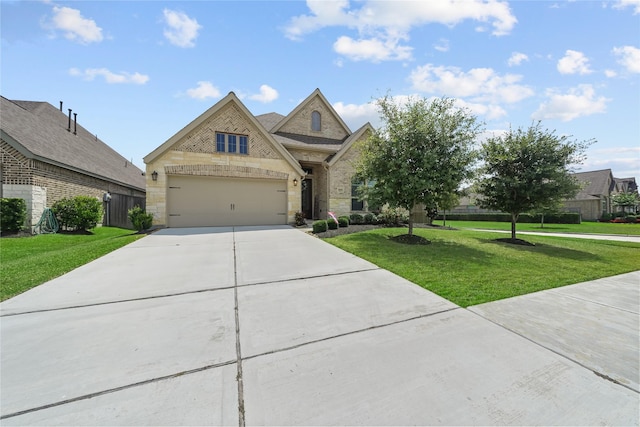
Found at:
[27, 262]
[585, 227]
[469, 267]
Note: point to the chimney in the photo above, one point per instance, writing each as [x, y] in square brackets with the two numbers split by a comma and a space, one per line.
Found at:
[69, 126]
[75, 123]
[60, 105]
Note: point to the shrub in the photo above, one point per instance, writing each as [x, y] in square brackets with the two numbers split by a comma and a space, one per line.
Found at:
[343, 221]
[78, 213]
[606, 217]
[392, 217]
[370, 218]
[320, 226]
[299, 218]
[560, 218]
[332, 224]
[13, 214]
[139, 218]
[356, 218]
[630, 218]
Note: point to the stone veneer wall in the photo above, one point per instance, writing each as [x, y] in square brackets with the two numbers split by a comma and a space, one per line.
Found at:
[195, 154]
[35, 198]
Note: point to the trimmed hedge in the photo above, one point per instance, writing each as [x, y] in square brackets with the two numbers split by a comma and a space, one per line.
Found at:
[333, 225]
[320, 226]
[343, 221]
[561, 218]
[78, 213]
[356, 218]
[370, 218]
[13, 214]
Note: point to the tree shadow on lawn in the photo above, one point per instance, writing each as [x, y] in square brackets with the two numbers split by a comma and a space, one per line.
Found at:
[546, 249]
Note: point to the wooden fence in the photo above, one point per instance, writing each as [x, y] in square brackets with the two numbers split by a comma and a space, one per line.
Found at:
[116, 211]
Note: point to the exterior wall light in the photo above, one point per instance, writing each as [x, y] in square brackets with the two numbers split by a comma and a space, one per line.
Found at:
[154, 175]
[295, 182]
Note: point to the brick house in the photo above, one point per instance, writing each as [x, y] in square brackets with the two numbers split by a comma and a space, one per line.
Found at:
[229, 167]
[46, 156]
[594, 199]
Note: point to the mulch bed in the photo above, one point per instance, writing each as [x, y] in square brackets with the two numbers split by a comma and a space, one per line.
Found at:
[514, 241]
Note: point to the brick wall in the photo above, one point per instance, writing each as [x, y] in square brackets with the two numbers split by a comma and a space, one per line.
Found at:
[301, 123]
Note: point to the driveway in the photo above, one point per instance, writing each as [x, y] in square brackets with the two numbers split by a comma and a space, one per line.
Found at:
[271, 326]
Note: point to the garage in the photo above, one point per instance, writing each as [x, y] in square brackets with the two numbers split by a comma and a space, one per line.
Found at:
[196, 201]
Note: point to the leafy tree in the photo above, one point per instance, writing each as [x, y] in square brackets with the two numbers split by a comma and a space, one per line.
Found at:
[624, 200]
[525, 170]
[420, 155]
[449, 202]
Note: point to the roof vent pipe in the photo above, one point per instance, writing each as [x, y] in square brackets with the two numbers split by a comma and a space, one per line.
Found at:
[69, 126]
[60, 105]
[75, 123]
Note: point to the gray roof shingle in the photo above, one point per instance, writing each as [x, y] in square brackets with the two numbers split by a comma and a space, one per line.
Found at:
[41, 130]
[596, 183]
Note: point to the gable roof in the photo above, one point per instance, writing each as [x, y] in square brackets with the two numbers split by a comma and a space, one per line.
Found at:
[349, 142]
[38, 130]
[596, 183]
[303, 104]
[218, 106]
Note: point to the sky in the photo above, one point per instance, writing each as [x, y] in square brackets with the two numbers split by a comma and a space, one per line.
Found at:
[137, 72]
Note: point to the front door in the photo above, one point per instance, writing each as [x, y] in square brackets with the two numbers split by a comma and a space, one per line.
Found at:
[307, 198]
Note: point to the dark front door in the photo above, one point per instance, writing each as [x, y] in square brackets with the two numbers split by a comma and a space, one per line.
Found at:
[307, 199]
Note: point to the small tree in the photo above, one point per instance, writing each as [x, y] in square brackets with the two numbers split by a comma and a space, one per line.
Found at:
[78, 213]
[139, 218]
[525, 170]
[420, 156]
[625, 200]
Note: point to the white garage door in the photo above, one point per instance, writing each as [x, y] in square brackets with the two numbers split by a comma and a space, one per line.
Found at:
[213, 202]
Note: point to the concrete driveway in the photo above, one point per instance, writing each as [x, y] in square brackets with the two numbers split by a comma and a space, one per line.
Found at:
[270, 326]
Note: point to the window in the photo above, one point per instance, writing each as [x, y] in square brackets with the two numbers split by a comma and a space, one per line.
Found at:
[231, 143]
[220, 142]
[244, 147]
[356, 203]
[316, 124]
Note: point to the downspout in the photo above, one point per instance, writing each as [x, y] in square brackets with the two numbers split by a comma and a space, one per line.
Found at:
[325, 165]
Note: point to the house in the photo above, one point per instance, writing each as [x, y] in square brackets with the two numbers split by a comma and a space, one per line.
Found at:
[47, 156]
[229, 167]
[594, 198]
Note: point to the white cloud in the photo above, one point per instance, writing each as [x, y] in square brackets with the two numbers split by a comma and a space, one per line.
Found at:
[181, 30]
[374, 50]
[622, 4]
[355, 115]
[109, 76]
[610, 73]
[203, 91]
[75, 26]
[481, 84]
[629, 58]
[574, 62]
[267, 94]
[577, 102]
[442, 45]
[383, 24]
[517, 58]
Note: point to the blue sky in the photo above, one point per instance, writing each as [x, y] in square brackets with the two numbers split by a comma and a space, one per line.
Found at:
[138, 72]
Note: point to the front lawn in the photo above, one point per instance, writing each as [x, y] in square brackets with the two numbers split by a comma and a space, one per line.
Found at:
[30, 261]
[469, 267]
[585, 227]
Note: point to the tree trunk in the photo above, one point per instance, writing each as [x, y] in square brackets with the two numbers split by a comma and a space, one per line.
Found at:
[410, 224]
[444, 218]
[514, 218]
[542, 220]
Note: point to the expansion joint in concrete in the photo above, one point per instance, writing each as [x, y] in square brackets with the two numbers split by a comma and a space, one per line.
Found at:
[241, 418]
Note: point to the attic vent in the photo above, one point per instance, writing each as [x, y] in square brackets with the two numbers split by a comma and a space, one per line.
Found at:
[69, 126]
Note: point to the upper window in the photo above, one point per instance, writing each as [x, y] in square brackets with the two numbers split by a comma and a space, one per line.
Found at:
[316, 124]
[235, 144]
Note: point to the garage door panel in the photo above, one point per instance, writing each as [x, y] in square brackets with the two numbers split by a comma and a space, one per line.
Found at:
[207, 201]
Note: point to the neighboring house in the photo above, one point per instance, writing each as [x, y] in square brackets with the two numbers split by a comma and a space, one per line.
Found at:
[229, 167]
[594, 199]
[46, 156]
